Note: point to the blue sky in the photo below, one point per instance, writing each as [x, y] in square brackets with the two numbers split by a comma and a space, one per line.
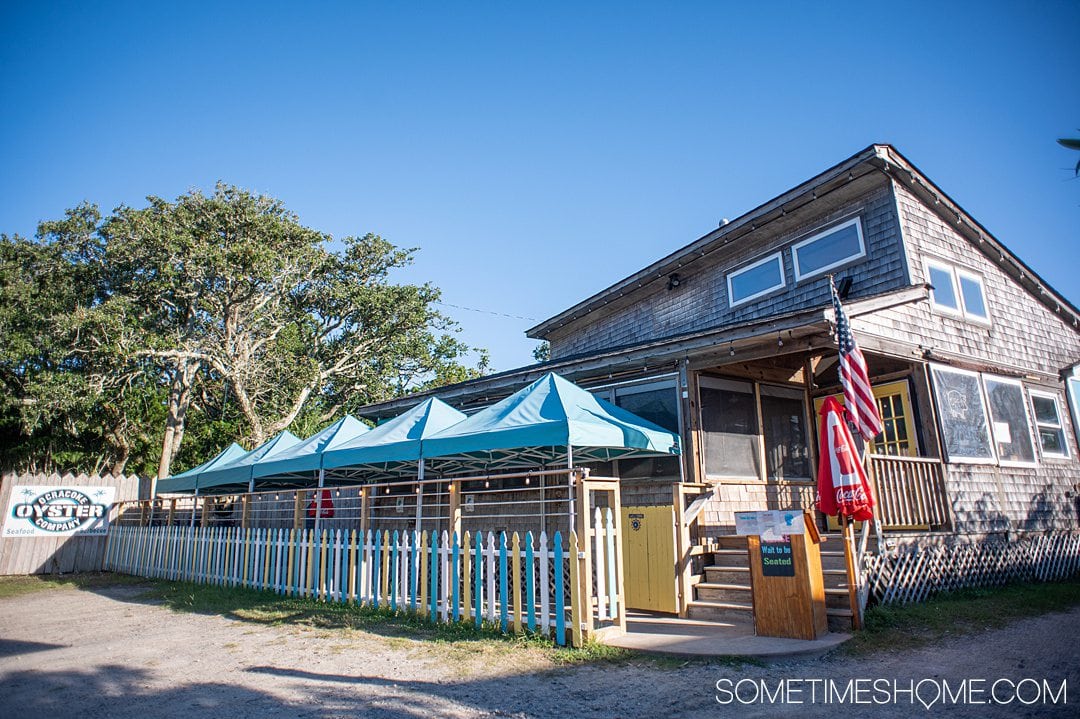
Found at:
[537, 153]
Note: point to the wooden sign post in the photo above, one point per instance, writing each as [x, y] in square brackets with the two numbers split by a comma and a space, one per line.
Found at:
[788, 589]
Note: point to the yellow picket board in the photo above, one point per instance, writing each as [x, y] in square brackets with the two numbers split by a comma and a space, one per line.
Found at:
[515, 547]
[575, 593]
[466, 565]
[423, 572]
[350, 587]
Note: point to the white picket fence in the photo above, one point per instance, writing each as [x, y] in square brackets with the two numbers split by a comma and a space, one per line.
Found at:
[514, 583]
[916, 573]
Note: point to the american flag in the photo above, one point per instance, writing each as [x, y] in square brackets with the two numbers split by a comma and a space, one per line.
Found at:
[858, 397]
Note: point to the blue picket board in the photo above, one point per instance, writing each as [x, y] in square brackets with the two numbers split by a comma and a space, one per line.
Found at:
[530, 587]
[560, 604]
[393, 573]
[455, 578]
[434, 575]
[504, 592]
[376, 559]
[478, 580]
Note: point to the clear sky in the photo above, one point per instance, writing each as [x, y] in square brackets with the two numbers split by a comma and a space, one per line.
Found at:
[536, 153]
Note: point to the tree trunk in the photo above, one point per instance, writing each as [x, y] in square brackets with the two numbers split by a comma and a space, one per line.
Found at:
[180, 391]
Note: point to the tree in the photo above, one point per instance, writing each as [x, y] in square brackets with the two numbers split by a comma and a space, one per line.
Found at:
[542, 352]
[226, 306]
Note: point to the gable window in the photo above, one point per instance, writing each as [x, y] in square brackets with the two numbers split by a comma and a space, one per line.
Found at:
[756, 280]
[957, 292]
[1010, 426]
[1048, 424]
[828, 250]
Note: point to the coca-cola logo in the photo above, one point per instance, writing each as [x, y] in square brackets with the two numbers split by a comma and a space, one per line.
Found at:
[850, 494]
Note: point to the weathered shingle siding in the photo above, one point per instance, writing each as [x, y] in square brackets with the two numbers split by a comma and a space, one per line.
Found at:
[701, 300]
[1024, 336]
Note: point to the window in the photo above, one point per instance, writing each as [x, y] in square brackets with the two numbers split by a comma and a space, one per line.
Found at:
[1073, 385]
[828, 250]
[965, 428]
[1048, 424]
[1011, 428]
[756, 280]
[897, 419]
[658, 402]
[957, 292]
[783, 416]
[729, 428]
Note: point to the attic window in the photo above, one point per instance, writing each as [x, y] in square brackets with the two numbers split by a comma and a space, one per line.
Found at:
[957, 292]
[756, 280]
[829, 249]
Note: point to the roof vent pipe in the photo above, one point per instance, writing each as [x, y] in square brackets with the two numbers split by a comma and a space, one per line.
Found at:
[724, 221]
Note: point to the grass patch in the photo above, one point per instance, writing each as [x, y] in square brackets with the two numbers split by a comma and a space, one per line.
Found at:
[958, 613]
[20, 585]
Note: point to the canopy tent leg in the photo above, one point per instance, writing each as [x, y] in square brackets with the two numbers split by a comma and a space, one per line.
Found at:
[570, 486]
[194, 504]
[318, 499]
[419, 494]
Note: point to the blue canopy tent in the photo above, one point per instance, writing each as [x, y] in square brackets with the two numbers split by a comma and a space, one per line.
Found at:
[190, 480]
[307, 455]
[393, 448]
[239, 471]
[550, 421]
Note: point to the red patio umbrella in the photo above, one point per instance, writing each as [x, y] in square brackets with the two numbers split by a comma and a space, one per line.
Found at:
[842, 486]
[322, 505]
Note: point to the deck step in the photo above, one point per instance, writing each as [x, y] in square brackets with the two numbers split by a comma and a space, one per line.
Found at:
[710, 591]
[720, 611]
[731, 558]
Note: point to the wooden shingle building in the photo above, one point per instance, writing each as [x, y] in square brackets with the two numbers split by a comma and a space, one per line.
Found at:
[729, 341]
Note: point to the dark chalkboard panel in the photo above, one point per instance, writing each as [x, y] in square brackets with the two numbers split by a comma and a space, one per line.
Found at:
[964, 426]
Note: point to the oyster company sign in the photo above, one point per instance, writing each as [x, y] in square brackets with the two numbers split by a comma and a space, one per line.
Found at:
[42, 511]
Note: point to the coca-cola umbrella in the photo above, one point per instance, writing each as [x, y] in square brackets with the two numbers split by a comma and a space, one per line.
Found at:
[842, 486]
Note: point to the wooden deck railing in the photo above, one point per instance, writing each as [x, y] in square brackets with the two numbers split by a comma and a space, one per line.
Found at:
[910, 491]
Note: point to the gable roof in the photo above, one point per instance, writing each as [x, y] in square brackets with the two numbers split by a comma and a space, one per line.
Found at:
[878, 158]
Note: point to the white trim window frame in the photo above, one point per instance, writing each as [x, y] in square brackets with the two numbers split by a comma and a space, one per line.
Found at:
[994, 430]
[948, 269]
[1059, 426]
[1072, 390]
[776, 257]
[964, 274]
[822, 235]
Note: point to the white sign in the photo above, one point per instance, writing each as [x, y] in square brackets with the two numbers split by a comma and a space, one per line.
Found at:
[52, 511]
[770, 524]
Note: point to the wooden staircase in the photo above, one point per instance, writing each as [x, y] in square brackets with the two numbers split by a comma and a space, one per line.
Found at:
[724, 595]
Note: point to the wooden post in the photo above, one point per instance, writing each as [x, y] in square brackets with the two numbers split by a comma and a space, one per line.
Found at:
[172, 511]
[455, 508]
[207, 507]
[298, 510]
[580, 601]
[583, 555]
[852, 574]
[616, 516]
[245, 511]
[144, 512]
[684, 568]
[365, 510]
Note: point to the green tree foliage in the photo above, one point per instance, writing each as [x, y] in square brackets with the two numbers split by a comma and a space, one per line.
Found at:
[218, 317]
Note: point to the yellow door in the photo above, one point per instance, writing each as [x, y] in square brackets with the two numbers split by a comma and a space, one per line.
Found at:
[898, 437]
[649, 552]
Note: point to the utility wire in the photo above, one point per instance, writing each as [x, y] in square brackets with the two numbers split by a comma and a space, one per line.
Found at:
[487, 312]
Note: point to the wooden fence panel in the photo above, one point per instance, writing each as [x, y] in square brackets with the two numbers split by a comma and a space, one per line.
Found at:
[59, 554]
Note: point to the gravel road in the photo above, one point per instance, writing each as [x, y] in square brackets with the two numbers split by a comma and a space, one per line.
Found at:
[110, 653]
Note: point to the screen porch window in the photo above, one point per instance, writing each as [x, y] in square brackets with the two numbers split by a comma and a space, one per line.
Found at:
[1010, 425]
[729, 428]
[1048, 424]
[783, 416]
[756, 280]
[829, 249]
[657, 402]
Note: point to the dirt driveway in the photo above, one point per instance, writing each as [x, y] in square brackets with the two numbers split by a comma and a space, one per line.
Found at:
[111, 653]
